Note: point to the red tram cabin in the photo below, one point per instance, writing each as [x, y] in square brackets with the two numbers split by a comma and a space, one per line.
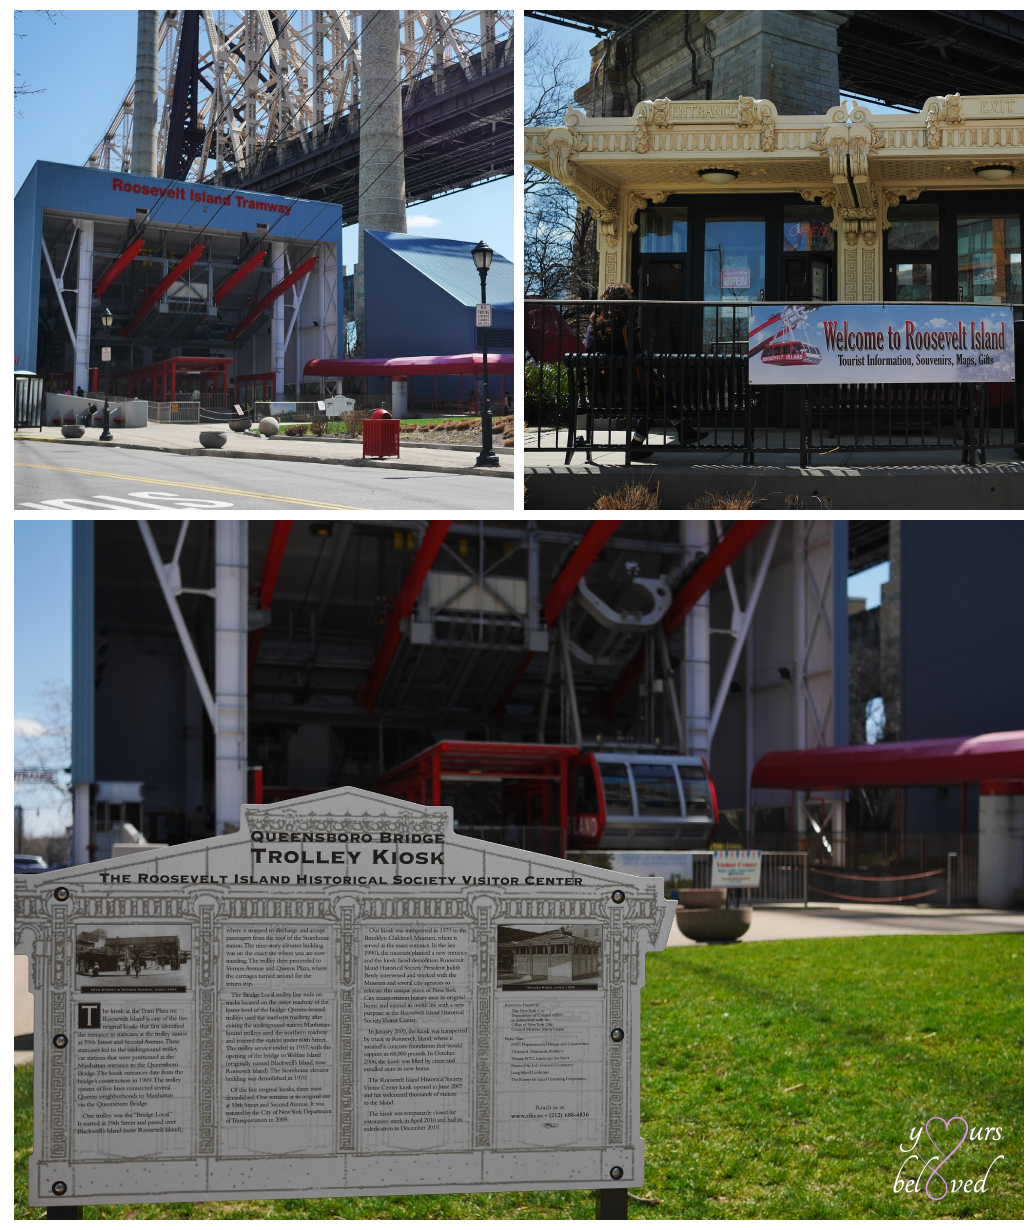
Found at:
[552, 798]
[791, 354]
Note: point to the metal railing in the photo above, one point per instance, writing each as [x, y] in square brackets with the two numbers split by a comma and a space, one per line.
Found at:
[874, 867]
[784, 877]
[686, 390]
[173, 411]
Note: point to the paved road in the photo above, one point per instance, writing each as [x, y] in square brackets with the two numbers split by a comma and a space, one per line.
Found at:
[789, 922]
[49, 477]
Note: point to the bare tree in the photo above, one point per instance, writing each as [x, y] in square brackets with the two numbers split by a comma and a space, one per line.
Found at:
[559, 234]
[549, 87]
[43, 747]
[23, 87]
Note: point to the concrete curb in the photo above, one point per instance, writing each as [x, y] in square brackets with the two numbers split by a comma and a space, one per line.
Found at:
[943, 488]
[500, 450]
[490, 472]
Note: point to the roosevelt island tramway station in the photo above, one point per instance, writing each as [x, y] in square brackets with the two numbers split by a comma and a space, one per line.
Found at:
[200, 242]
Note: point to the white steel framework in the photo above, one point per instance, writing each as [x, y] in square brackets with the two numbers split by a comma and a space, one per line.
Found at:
[269, 76]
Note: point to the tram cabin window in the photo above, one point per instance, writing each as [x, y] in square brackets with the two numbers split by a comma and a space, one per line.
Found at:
[618, 798]
[696, 794]
[656, 789]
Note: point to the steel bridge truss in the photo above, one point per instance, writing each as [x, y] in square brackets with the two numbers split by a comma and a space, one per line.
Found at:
[269, 81]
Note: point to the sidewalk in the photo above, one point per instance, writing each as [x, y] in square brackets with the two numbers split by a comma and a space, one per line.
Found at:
[184, 439]
[796, 922]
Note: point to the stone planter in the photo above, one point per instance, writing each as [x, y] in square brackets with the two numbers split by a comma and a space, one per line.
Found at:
[73, 431]
[708, 926]
[213, 439]
[239, 424]
[702, 898]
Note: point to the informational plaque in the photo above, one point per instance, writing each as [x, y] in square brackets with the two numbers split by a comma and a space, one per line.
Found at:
[345, 998]
[736, 868]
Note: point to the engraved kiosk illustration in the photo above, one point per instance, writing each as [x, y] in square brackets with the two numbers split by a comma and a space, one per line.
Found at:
[344, 998]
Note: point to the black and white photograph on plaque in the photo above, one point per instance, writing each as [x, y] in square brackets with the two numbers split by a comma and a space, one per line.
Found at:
[565, 958]
[124, 958]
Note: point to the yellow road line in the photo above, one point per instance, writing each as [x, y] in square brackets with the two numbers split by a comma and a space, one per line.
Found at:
[164, 482]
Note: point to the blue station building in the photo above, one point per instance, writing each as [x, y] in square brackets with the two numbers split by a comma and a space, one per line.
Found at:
[247, 285]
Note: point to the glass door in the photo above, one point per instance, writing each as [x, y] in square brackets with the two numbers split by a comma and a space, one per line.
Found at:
[662, 274]
[808, 244]
[734, 272]
[912, 253]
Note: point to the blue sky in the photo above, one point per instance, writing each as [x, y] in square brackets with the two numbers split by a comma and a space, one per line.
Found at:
[42, 640]
[867, 584]
[42, 608]
[80, 98]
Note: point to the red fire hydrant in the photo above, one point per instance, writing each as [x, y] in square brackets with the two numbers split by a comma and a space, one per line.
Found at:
[381, 435]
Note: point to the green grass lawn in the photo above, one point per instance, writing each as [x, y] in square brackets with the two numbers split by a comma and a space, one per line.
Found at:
[779, 1081]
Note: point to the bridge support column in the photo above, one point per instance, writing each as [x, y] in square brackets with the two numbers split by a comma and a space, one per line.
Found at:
[144, 110]
[381, 195]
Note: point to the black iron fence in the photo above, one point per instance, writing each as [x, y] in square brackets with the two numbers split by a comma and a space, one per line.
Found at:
[664, 376]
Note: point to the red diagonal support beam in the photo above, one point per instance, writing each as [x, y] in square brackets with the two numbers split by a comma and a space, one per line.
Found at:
[402, 608]
[700, 581]
[125, 259]
[578, 566]
[152, 300]
[237, 276]
[269, 577]
[280, 289]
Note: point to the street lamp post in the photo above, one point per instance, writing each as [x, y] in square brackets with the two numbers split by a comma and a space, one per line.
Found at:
[107, 320]
[483, 255]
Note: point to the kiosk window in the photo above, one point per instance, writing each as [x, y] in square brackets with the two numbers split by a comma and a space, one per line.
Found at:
[915, 283]
[913, 228]
[663, 230]
[618, 800]
[656, 789]
[806, 228]
[990, 259]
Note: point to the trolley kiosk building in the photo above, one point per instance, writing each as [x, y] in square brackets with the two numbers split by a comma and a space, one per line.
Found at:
[183, 271]
[555, 955]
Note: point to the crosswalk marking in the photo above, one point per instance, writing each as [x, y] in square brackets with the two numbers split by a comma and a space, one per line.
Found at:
[136, 478]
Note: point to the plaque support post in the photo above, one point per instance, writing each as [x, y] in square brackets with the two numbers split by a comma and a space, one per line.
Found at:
[612, 1204]
[64, 1212]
